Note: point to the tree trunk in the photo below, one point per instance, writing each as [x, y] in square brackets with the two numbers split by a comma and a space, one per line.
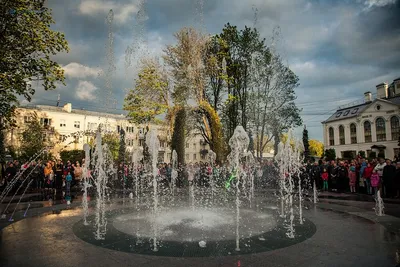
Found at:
[178, 135]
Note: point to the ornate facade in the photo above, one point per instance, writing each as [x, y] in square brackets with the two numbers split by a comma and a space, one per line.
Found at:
[372, 126]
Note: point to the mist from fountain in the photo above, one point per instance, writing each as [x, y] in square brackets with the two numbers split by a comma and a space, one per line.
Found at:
[153, 144]
[86, 184]
[289, 160]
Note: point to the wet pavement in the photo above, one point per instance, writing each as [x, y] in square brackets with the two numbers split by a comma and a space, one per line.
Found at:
[348, 234]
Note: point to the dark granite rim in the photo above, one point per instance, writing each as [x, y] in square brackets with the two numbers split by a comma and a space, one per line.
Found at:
[120, 241]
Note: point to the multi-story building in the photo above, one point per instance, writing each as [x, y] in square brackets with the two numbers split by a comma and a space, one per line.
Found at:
[71, 128]
[371, 126]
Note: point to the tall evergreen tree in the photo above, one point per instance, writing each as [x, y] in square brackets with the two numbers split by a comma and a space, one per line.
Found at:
[306, 144]
[178, 135]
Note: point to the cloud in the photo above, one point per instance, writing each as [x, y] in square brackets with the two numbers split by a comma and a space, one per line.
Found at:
[122, 12]
[85, 91]
[378, 3]
[76, 70]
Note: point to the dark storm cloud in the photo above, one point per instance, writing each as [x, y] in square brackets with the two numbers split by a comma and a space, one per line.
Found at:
[333, 46]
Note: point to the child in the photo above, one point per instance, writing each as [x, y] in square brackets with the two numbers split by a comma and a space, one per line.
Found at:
[324, 177]
[375, 180]
[352, 178]
[68, 180]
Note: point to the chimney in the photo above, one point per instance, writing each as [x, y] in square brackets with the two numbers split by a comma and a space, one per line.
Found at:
[68, 107]
[396, 83]
[382, 90]
[367, 97]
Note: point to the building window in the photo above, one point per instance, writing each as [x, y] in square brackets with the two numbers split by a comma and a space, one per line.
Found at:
[92, 126]
[141, 142]
[162, 144]
[129, 129]
[63, 123]
[45, 121]
[129, 142]
[194, 156]
[28, 119]
[77, 124]
[369, 151]
[367, 132]
[380, 130]
[395, 127]
[353, 133]
[331, 137]
[194, 146]
[342, 139]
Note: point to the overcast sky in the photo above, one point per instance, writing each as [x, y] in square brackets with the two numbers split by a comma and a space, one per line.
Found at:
[339, 49]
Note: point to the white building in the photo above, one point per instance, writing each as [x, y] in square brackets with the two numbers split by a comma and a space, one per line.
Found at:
[70, 129]
[369, 126]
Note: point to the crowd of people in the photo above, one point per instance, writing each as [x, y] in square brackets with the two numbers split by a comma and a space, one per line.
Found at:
[357, 176]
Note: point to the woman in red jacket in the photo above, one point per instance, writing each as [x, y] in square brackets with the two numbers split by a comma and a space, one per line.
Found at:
[367, 176]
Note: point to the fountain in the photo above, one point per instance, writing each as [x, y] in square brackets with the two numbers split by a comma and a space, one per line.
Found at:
[167, 224]
[174, 172]
[290, 161]
[86, 184]
[379, 206]
[153, 144]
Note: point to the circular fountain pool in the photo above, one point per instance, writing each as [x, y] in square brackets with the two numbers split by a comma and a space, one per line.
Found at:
[179, 231]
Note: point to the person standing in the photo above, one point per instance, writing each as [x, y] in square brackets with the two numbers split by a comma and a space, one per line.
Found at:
[379, 170]
[389, 174]
[352, 178]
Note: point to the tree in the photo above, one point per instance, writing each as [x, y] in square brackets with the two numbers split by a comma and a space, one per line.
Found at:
[306, 144]
[72, 155]
[178, 135]
[271, 108]
[113, 143]
[316, 148]
[33, 138]
[26, 44]
[330, 154]
[189, 64]
[151, 95]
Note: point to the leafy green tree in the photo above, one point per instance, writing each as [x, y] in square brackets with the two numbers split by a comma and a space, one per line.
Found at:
[306, 144]
[330, 154]
[26, 44]
[242, 45]
[151, 96]
[34, 138]
[113, 143]
[72, 155]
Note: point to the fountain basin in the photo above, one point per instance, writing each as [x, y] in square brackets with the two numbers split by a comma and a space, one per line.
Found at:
[180, 230]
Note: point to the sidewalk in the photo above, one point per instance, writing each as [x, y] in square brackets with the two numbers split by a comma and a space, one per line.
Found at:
[355, 197]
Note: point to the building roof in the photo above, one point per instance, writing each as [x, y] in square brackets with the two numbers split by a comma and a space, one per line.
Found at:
[76, 111]
[356, 110]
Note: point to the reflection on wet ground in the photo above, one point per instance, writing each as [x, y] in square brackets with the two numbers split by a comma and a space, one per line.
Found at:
[348, 234]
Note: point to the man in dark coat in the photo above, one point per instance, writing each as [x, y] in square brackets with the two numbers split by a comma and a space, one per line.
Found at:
[389, 175]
